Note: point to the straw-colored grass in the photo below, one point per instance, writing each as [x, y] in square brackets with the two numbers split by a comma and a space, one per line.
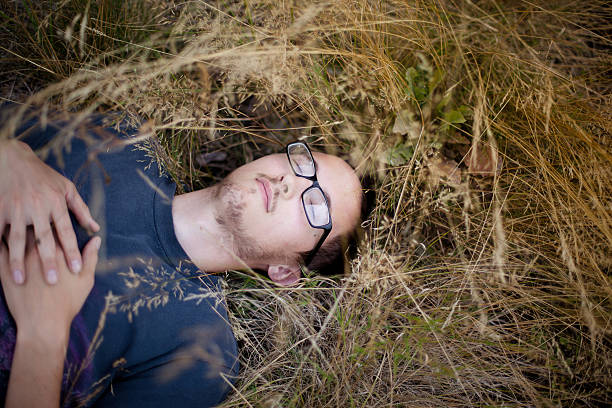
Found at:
[483, 129]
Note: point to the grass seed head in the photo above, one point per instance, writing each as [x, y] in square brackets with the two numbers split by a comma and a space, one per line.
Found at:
[483, 276]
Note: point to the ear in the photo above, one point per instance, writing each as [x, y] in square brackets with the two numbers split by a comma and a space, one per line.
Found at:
[284, 275]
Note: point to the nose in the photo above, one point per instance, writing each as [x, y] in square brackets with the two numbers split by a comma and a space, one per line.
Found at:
[292, 186]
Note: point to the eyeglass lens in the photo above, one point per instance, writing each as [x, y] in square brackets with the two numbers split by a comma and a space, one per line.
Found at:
[301, 160]
[315, 205]
[316, 208]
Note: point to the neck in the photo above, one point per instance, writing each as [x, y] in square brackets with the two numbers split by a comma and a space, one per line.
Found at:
[204, 241]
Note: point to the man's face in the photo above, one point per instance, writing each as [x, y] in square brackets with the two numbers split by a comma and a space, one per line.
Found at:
[260, 205]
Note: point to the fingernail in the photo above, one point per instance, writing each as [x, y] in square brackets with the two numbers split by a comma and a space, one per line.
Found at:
[18, 276]
[52, 276]
[98, 242]
[76, 266]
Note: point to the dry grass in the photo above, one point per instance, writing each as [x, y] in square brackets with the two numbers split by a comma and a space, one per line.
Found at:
[483, 278]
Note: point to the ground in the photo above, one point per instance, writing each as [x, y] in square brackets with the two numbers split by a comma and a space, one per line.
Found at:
[482, 133]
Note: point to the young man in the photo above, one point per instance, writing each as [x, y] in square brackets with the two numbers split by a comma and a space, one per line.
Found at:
[153, 330]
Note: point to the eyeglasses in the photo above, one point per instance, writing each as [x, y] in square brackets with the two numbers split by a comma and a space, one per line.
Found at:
[314, 201]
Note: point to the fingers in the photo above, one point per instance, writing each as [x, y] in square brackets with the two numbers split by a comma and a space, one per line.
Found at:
[3, 226]
[90, 254]
[4, 262]
[45, 242]
[16, 246]
[67, 238]
[80, 209]
[90, 257]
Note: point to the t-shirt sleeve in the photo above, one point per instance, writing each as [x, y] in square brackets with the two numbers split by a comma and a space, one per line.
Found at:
[191, 389]
[180, 354]
[186, 378]
[34, 135]
[37, 135]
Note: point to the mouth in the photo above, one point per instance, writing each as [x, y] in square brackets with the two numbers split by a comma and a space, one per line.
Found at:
[266, 192]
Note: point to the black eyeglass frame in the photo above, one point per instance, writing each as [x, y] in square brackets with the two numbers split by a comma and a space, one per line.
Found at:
[315, 185]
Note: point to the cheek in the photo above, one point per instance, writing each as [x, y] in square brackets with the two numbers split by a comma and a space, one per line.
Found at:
[293, 229]
[285, 229]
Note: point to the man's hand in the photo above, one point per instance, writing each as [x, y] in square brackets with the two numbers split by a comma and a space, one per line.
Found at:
[43, 315]
[32, 193]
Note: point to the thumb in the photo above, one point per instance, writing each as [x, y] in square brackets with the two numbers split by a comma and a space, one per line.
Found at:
[80, 209]
[90, 256]
[4, 263]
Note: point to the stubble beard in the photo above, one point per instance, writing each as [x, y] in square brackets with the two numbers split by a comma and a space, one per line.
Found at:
[230, 217]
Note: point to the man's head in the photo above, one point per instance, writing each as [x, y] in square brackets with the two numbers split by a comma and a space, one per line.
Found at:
[261, 207]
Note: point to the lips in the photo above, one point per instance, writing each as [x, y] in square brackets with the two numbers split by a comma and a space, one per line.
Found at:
[266, 192]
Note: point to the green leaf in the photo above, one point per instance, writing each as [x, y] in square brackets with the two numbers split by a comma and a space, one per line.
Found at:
[435, 80]
[465, 110]
[443, 102]
[454, 116]
[400, 154]
[417, 84]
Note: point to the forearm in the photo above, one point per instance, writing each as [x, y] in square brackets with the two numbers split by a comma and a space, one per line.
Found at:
[36, 371]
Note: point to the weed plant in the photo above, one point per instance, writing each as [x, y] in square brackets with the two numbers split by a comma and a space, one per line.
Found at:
[483, 129]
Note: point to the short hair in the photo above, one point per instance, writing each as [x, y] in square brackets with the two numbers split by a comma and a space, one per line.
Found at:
[333, 256]
[329, 259]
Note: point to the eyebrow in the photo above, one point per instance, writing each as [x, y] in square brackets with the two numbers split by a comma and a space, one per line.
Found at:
[327, 197]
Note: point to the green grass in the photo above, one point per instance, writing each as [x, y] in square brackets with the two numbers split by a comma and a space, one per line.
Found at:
[482, 279]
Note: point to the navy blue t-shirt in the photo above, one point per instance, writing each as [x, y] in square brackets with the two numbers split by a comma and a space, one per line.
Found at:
[154, 330]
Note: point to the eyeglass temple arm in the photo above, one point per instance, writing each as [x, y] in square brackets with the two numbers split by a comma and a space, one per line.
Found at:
[316, 249]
